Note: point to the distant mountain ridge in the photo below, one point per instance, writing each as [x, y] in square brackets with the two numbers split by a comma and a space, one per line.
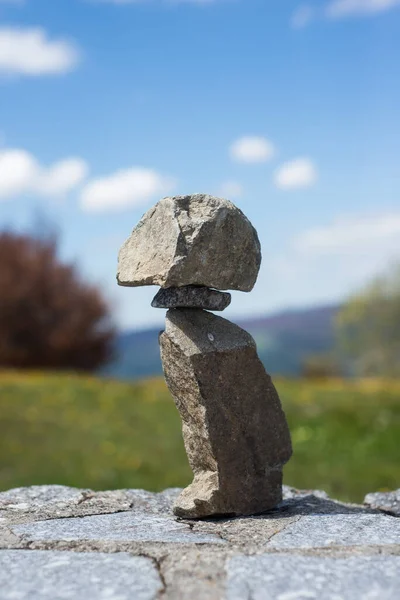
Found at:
[284, 340]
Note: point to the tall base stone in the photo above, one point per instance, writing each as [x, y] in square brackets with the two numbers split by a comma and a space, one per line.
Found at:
[234, 429]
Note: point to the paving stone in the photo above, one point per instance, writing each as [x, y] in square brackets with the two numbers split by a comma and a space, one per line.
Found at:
[291, 577]
[386, 501]
[48, 575]
[319, 549]
[22, 505]
[38, 496]
[126, 526]
[322, 530]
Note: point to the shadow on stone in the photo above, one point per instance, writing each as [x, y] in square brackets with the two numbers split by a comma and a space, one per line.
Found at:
[303, 505]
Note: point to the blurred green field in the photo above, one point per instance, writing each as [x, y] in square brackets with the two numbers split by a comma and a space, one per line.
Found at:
[104, 434]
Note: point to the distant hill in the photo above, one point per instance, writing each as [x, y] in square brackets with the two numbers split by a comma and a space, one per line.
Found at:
[284, 340]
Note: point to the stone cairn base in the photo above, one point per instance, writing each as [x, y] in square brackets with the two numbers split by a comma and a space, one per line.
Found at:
[234, 429]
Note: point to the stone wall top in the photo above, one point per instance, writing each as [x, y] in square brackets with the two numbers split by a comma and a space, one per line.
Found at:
[58, 542]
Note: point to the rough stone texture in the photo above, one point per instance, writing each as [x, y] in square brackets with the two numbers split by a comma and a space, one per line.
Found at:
[123, 527]
[50, 501]
[192, 240]
[234, 429]
[45, 555]
[275, 577]
[351, 530]
[68, 575]
[191, 297]
[39, 496]
[386, 501]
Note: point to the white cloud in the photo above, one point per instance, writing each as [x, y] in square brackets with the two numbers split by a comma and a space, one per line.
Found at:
[302, 16]
[327, 263]
[29, 51]
[230, 189]
[343, 8]
[252, 149]
[340, 9]
[348, 235]
[124, 189]
[62, 177]
[298, 173]
[18, 170]
[21, 173]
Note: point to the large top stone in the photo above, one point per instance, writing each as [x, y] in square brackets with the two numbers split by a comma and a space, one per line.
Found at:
[192, 240]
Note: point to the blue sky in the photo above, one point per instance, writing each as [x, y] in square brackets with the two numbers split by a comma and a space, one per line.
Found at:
[289, 109]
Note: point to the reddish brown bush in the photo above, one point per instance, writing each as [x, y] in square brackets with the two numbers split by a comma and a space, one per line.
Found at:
[49, 318]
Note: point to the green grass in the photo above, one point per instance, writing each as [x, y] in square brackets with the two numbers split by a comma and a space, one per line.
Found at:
[103, 434]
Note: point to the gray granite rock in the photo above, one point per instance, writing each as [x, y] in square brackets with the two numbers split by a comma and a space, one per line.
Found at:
[125, 526]
[192, 240]
[191, 296]
[291, 493]
[44, 575]
[386, 501]
[21, 505]
[38, 496]
[284, 577]
[322, 530]
[234, 429]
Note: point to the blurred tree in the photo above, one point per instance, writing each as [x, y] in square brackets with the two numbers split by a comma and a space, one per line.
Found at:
[320, 366]
[49, 318]
[369, 327]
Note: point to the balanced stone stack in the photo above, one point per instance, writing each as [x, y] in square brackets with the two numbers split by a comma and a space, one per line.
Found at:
[234, 429]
